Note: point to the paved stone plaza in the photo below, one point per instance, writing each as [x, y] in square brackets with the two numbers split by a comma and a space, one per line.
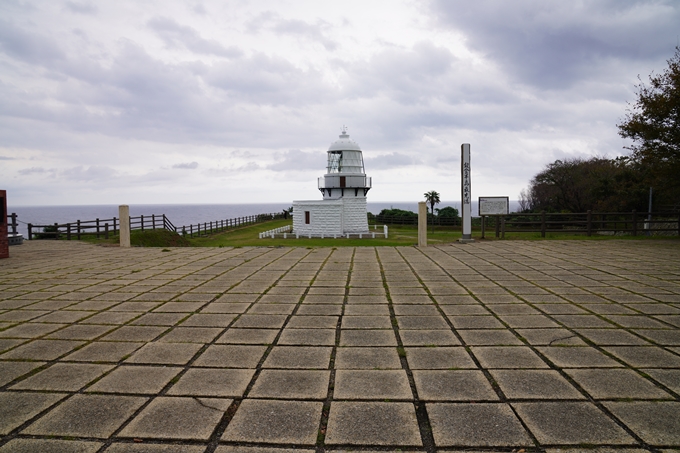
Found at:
[551, 345]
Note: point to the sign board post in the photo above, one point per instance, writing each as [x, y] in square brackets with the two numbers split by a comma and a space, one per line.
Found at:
[466, 193]
[124, 218]
[422, 224]
[493, 206]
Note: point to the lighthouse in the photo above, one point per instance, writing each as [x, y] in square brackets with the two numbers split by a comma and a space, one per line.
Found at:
[344, 188]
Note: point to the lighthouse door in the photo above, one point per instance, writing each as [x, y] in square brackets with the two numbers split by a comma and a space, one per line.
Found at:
[342, 181]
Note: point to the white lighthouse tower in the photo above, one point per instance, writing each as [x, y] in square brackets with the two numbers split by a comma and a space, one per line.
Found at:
[344, 188]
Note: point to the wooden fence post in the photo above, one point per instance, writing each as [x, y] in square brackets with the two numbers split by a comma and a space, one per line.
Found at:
[634, 222]
[14, 223]
[482, 227]
[97, 220]
[589, 222]
[114, 226]
[56, 233]
[502, 227]
[30, 231]
[542, 224]
[78, 229]
[106, 230]
[153, 221]
[497, 221]
[142, 220]
[68, 231]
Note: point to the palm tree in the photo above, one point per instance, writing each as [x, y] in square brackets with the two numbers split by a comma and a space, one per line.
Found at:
[432, 197]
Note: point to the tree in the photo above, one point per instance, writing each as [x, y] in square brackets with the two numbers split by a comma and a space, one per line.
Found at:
[653, 123]
[432, 197]
[447, 212]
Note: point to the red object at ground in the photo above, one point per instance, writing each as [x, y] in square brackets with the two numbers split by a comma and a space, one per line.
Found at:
[4, 242]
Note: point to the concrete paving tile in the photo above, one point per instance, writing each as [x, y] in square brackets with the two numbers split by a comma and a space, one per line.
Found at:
[398, 299]
[611, 337]
[291, 384]
[657, 423]
[428, 338]
[19, 407]
[528, 321]
[209, 320]
[248, 336]
[97, 416]
[51, 445]
[645, 356]
[260, 321]
[238, 298]
[445, 298]
[159, 319]
[666, 337]
[216, 307]
[63, 316]
[271, 309]
[165, 353]
[80, 332]
[353, 299]
[670, 319]
[12, 370]
[30, 330]
[553, 337]
[41, 350]
[321, 310]
[367, 358]
[280, 299]
[372, 384]
[478, 425]
[231, 356]
[634, 321]
[142, 307]
[298, 357]
[561, 309]
[422, 323]
[489, 337]
[135, 379]
[111, 318]
[178, 418]
[367, 338]
[618, 383]
[669, 378]
[213, 382]
[135, 333]
[325, 300]
[507, 357]
[191, 335]
[127, 447]
[577, 357]
[582, 321]
[308, 337]
[568, 423]
[244, 449]
[312, 322]
[275, 422]
[464, 310]
[415, 310]
[22, 315]
[63, 377]
[372, 423]
[512, 309]
[366, 322]
[475, 322]
[179, 307]
[535, 384]
[104, 351]
[445, 358]
[458, 385]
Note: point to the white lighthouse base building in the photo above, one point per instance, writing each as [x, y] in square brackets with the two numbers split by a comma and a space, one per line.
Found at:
[330, 218]
[344, 187]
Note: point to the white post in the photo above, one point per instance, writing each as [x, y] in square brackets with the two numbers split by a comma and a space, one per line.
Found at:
[422, 224]
[385, 230]
[124, 218]
[466, 193]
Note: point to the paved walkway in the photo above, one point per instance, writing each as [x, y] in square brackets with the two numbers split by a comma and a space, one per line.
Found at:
[495, 346]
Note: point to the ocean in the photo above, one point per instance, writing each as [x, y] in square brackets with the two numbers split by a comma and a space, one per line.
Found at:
[182, 214]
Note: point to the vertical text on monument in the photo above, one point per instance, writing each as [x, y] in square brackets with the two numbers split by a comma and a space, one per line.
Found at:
[466, 191]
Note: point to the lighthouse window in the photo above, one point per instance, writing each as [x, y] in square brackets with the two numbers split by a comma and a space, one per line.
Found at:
[307, 217]
[334, 161]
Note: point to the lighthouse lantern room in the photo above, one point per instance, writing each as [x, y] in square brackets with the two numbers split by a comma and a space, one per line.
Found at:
[344, 188]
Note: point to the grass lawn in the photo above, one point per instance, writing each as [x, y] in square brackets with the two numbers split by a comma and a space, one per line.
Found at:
[399, 235]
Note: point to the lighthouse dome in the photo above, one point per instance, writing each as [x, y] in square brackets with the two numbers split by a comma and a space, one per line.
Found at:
[344, 143]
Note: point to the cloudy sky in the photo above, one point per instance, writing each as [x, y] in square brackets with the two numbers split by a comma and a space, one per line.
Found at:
[168, 101]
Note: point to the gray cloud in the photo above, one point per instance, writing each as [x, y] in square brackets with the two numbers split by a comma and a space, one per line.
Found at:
[315, 33]
[81, 7]
[186, 165]
[27, 46]
[296, 160]
[177, 36]
[388, 161]
[555, 44]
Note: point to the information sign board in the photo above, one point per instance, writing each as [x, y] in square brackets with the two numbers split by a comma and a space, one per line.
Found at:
[493, 206]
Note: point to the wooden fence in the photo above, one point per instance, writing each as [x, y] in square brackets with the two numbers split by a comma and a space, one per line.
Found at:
[12, 224]
[413, 220]
[105, 227]
[589, 223]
